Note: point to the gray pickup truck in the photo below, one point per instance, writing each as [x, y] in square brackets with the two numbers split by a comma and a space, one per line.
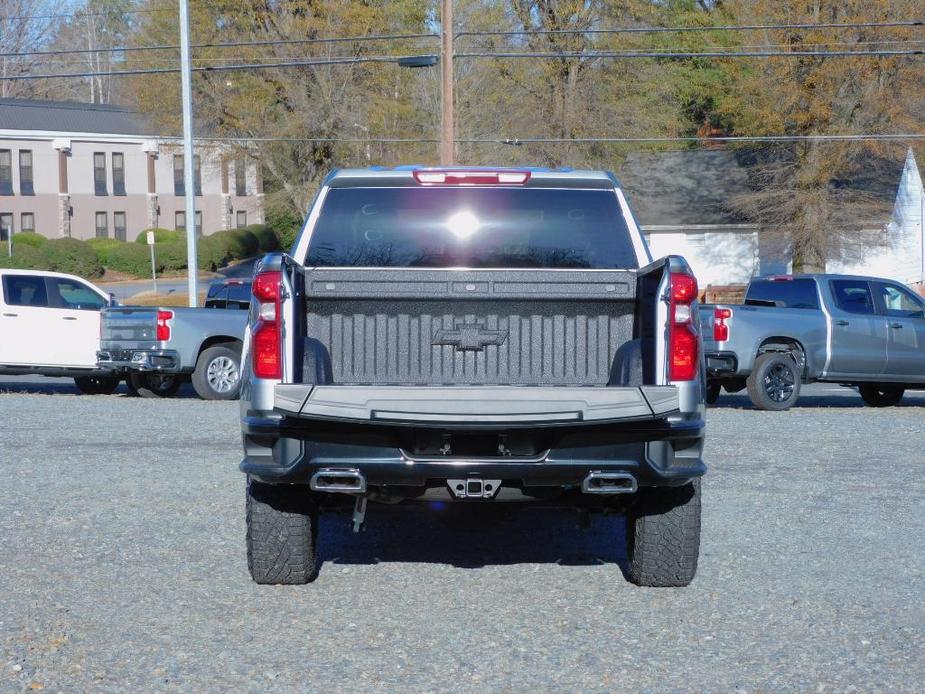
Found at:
[158, 348]
[473, 336]
[859, 331]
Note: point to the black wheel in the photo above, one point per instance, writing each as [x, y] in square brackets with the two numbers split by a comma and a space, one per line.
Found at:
[282, 529]
[881, 395]
[132, 390]
[97, 385]
[218, 373]
[713, 390]
[774, 383]
[155, 385]
[663, 536]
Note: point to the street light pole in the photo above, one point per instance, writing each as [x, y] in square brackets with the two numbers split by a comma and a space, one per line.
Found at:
[186, 80]
[447, 118]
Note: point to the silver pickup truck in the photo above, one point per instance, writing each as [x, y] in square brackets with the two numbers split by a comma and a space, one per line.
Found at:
[858, 331]
[159, 348]
[473, 336]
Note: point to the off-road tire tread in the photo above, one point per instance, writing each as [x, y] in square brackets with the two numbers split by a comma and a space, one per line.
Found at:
[871, 395]
[663, 536]
[139, 384]
[281, 535]
[91, 385]
[755, 388]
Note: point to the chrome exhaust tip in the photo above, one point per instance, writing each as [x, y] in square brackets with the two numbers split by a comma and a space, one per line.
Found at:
[598, 482]
[345, 481]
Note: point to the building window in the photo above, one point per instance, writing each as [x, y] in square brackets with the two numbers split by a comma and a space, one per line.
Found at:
[241, 219]
[178, 187]
[240, 177]
[6, 226]
[179, 222]
[102, 224]
[25, 172]
[118, 225]
[27, 221]
[118, 173]
[99, 173]
[6, 172]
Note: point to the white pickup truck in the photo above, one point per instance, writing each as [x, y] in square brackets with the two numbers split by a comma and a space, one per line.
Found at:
[50, 326]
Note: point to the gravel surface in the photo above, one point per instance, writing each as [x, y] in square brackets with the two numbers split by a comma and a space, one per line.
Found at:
[123, 568]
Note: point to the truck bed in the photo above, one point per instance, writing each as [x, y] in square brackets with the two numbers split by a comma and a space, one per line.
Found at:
[464, 327]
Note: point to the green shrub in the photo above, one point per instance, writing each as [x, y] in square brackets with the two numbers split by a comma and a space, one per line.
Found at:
[29, 238]
[25, 257]
[285, 223]
[161, 236]
[103, 246]
[267, 238]
[72, 256]
[131, 258]
[211, 252]
[171, 257]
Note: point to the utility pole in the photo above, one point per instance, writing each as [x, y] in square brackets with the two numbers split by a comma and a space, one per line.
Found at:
[447, 119]
[186, 80]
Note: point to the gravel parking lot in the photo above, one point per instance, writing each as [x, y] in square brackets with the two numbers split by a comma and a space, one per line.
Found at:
[122, 544]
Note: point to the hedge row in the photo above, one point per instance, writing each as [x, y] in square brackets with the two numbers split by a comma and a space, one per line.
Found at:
[88, 258]
[72, 256]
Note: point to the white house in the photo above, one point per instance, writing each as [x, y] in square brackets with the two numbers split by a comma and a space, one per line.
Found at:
[682, 200]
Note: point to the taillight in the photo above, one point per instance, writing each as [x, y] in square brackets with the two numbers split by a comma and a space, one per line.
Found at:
[430, 177]
[720, 329]
[683, 353]
[266, 338]
[163, 325]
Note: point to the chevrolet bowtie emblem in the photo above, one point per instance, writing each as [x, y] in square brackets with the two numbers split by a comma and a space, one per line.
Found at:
[469, 337]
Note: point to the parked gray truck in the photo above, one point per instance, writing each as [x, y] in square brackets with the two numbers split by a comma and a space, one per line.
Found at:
[859, 331]
[158, 348]
[479, 337]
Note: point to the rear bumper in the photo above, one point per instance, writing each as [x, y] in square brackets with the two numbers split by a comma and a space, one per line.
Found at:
[722, 363]
[162, 360]
[482, 407]
[655, 452]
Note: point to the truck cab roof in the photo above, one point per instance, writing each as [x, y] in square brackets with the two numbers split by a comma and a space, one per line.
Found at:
[406, 176]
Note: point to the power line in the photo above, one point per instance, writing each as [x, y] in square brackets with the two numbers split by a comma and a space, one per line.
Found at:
[886, 137]
[690, 54]
[231, 44]
[728, 27]
[338, 60]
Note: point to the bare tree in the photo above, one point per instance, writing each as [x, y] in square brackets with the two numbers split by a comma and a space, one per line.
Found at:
[25, 25]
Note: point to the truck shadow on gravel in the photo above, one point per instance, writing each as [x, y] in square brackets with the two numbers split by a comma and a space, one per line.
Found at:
[847, 401]
[65, 386]
[472, 536]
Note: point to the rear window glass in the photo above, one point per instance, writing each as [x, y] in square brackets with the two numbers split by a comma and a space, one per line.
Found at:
[474, 227]
[800, 293]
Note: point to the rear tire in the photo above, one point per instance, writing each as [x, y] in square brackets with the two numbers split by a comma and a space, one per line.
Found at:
[154, 385]
[663, 536]
[713, 391]
[97, 385]
[881, 395]
[282, 530]
[774, 383]
[218, 373]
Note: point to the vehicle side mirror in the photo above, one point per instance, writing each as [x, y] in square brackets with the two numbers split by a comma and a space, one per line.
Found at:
[112, 299]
